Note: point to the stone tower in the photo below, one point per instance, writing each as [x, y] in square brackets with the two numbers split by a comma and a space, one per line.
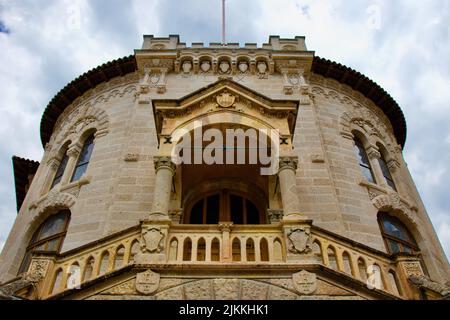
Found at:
[109, 214]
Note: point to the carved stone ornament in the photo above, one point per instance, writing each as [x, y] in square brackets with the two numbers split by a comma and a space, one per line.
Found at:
[305, 282]
[37, 270]
[147, 282]
[289, 163]
[275, 215]
[413, 269]
[300, 241]
[152, 240]
[187, 67]
[205, 66]
[224, 67]
[226, 100]
[243, 67]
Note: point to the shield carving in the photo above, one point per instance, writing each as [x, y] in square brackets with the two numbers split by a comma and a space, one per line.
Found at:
[305, 282]
[147, 282]
[300, 241]
[226, 100]
[152, 240]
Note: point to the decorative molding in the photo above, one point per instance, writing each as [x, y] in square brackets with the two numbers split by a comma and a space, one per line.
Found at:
[115, 88]
[424, 282]
[131, 157]
[317, 158]
[54, 199]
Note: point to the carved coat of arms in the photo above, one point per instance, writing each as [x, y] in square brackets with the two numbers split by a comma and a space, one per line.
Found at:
[226, 100]
[147, 282]
[300, 241]
[305, 282]
[152, 240]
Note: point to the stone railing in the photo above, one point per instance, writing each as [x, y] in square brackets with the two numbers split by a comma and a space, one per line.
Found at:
[374, 268]
[277, 245]
[71, 269]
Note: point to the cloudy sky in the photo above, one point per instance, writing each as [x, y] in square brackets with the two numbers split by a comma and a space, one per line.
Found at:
[401, 44]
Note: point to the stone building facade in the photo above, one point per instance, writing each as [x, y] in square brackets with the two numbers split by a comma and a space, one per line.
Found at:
[107, 214]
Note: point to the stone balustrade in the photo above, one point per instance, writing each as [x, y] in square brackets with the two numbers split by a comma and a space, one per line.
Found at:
[228, 244]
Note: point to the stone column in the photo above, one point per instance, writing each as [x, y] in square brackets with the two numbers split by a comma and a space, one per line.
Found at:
[53, 165]
[165, 169]
[374, 156]
[288, 186]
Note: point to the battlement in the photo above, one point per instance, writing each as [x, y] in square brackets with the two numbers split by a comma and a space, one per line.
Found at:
[172, 42]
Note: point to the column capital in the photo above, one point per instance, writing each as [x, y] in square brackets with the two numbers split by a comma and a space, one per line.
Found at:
[54, 163]
[164, 163]
[288, 163]
[226, 226]
[393, 165]
[373, 153]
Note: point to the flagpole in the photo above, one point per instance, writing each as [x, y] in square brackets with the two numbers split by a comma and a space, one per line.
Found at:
[223, 23]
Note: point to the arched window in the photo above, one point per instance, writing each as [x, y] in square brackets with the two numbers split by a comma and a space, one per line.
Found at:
[83, 159]
[396, 236]
[60, 171]
[225, 205]
[363, 160]
[386, 173]
[49, 237]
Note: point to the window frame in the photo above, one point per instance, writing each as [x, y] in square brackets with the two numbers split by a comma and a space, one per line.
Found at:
[65, 162]
[32, 245]
[387, 177]
[79, 164]
[224, 206]
[358, 143]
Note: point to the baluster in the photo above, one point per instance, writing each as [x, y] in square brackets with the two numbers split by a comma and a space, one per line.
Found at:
[244, 249]
[65, 276]
[194, 244]
[271, 249]
[180, 254]
[339, 260]
[355, 267]
[257, 243]
[208, 243]
[324, 249]
[126, 256]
